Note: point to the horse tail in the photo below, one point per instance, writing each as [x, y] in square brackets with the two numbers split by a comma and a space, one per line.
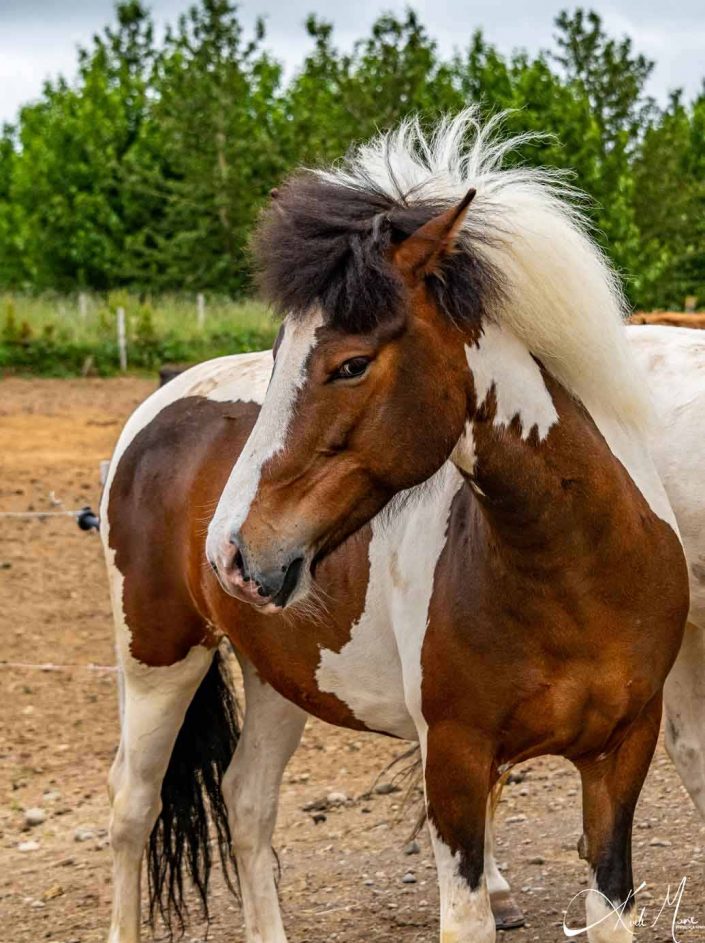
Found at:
[191, 795]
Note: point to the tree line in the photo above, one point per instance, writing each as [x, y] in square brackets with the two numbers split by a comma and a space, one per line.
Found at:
[147, 171]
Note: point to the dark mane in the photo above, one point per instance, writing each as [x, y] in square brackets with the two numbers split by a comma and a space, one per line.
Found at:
[323, 243]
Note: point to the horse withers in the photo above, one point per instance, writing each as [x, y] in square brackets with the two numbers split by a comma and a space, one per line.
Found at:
[436, 519]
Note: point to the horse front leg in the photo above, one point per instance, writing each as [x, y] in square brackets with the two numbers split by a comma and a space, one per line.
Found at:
[458, 783]
[611, 788]
[271, 732]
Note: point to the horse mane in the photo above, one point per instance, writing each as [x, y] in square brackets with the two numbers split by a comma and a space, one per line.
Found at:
[526, 258]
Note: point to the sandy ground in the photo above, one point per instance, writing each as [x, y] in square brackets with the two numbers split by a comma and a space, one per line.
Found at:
[342, 879]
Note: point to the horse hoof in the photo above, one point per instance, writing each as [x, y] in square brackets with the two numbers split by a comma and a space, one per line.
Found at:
[507, 913]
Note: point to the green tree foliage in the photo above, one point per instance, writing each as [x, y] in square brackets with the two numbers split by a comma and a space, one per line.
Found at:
[206, 159]
[148, 171]
[67, 222]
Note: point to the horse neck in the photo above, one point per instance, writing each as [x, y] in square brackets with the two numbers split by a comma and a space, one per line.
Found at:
[527, 443]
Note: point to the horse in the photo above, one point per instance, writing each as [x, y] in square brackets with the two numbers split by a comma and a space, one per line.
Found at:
[434, 517]
[673, 362]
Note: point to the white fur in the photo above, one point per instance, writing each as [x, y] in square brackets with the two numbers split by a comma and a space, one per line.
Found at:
[562, 300]
[606, 921]
[500, 362]
[242, 377]
[269, 434]
[153, 704]
[674, 360]
[366, 674]
[270, 734]
[466, 915]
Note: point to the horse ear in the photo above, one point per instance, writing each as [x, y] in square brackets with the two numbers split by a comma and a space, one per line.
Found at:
[422, 252]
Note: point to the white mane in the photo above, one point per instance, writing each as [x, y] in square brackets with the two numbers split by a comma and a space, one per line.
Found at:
[563, 298]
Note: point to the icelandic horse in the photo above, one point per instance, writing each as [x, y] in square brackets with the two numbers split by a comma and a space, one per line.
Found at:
[435, 517]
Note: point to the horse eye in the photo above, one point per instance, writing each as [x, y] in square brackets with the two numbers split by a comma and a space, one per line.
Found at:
[350, 369]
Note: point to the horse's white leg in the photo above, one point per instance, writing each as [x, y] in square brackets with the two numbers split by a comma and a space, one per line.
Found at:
[457, 786]
[271, 732]
[684, 705]
[154, 704]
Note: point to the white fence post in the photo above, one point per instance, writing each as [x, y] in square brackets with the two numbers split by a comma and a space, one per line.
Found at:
[82, 305]
[122, 339]
[200, 310]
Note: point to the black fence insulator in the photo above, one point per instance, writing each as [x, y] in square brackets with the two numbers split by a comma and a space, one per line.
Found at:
[87, 519]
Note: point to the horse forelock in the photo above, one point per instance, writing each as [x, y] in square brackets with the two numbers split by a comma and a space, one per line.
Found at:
[326, 244]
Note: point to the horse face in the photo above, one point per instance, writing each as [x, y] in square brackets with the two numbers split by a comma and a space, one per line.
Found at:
[349, 421]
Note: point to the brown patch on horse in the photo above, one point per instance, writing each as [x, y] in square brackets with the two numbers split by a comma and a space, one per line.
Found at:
[165, 487]
[159, 510]
[532, 552]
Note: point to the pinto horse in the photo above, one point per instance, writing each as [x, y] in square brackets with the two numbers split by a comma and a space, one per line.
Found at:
[435, 518]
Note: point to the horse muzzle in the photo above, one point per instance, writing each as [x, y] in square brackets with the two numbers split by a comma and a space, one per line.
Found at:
[268, 588]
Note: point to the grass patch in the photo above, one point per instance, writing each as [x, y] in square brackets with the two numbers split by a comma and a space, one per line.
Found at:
[59, 335]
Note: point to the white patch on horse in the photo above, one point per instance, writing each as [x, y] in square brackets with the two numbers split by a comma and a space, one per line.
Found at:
[269, 433]
[153, 701]
[366, 673]
[607, 921]
[419, 533]
[464, 454]
[466, 913]
[501, 362]
[673, 359]
[377, 673]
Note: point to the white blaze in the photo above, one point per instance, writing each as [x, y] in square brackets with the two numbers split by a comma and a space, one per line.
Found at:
[269, 434]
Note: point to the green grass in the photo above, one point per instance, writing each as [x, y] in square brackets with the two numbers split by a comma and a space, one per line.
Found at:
[59, 335]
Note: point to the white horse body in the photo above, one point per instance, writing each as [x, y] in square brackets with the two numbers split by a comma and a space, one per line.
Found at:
[673, 359]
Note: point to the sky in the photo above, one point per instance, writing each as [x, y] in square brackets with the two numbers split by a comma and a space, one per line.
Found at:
[38, 38]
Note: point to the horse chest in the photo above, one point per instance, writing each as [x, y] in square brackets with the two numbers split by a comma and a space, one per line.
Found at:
[378, 672]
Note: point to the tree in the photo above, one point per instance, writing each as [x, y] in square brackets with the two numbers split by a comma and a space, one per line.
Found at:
[66, 170]
[339, 99]
[208, 157]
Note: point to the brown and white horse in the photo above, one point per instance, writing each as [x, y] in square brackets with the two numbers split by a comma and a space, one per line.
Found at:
[437, 519]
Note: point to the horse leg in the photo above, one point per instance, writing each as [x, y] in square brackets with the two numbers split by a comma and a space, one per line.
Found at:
[457, 781]
[684, 705]
[271, 732]
[154, 702]
[611, 788]
[507, 913]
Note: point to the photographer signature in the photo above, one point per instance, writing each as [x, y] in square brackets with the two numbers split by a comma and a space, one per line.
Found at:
[622, 914]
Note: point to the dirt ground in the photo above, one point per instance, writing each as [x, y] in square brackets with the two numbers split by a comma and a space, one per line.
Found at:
[343, 878]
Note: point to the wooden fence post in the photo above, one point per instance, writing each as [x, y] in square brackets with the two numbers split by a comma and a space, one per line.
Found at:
[122, 339]
[200, 310]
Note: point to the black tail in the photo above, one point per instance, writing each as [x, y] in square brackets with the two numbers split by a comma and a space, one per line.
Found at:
[191, 796]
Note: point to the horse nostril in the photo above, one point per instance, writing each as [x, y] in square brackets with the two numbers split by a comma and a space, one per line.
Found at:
[239, 564]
